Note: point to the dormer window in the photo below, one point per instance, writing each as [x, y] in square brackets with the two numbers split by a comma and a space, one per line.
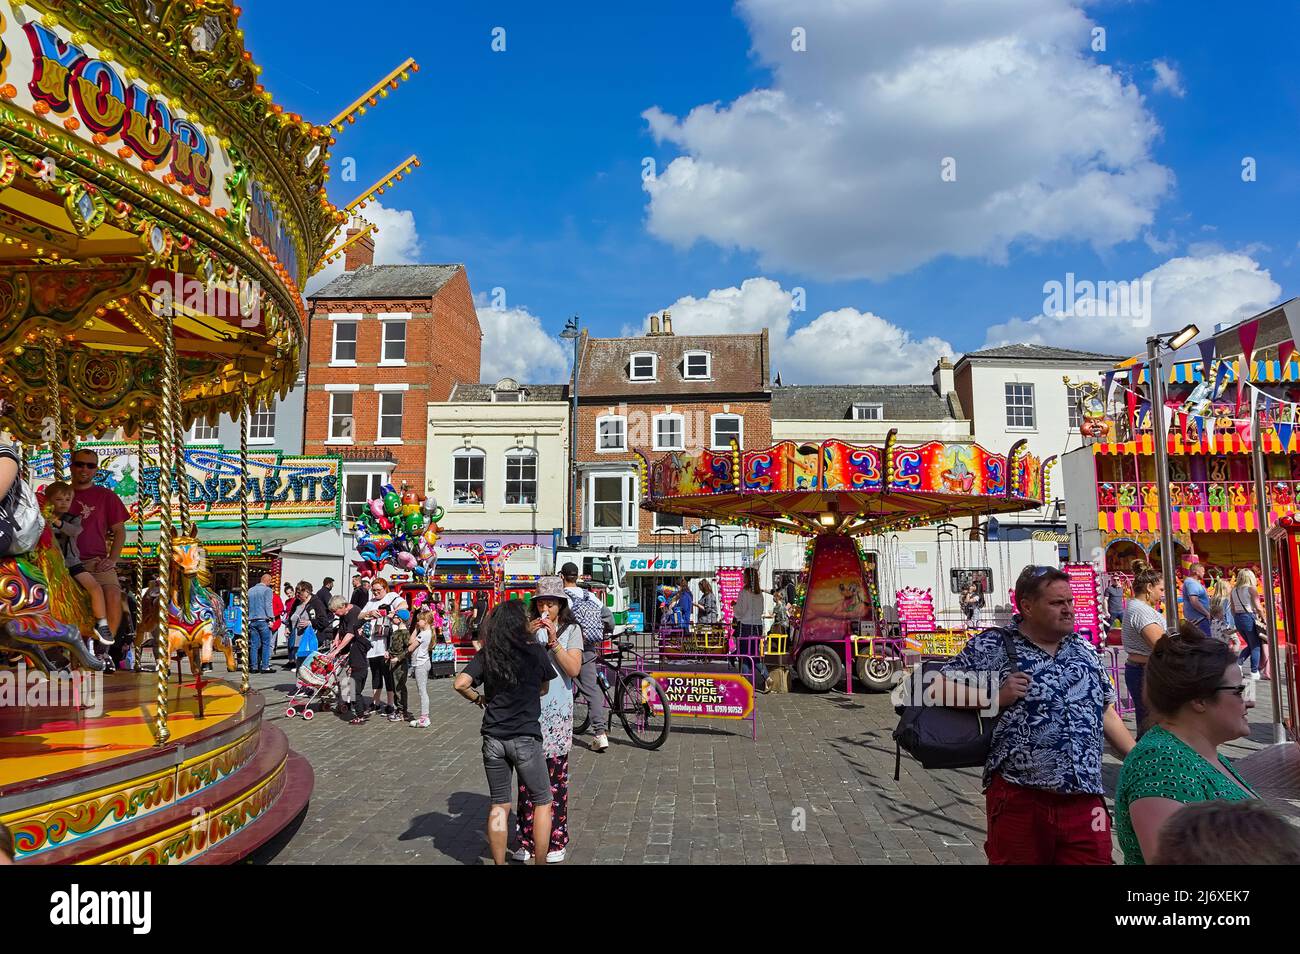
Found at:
[644, 366]
[867, 412]
[508, 391]
[698, 366]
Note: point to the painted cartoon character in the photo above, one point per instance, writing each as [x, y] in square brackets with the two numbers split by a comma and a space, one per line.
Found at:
[1218, 496]
[1238, 496]
[1218, 468]
[958, 478]
[851, 603]
[1106, 495]
[1149, 500]
[1192, 495]
[1281, 494]
[1127, 495]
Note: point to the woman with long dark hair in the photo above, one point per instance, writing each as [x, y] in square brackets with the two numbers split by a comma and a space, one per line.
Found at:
[1195, 690]
[514, 671]
[555, 627]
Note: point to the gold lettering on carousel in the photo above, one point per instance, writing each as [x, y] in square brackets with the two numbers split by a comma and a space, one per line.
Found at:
[149, 139]
[102, 111]
[50, 83]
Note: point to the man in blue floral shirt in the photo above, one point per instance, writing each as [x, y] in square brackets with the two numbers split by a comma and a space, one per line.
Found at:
[1042, 780]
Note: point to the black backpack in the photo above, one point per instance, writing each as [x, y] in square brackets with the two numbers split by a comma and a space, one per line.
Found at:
[941, 737]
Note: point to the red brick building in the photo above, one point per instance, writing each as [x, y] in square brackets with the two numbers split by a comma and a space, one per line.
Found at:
[657, 393]
[384, 341]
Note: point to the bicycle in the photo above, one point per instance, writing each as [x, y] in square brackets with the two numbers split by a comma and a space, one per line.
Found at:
[639, 701]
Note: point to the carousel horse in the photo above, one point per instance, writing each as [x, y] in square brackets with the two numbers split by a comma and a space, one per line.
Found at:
[195, 622]
[36, 604]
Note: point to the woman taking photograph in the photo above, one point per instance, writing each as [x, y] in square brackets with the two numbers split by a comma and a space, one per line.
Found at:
[1142, 628]
[554, 626]
[514, 670]
[1246, 616]
[1194, 686]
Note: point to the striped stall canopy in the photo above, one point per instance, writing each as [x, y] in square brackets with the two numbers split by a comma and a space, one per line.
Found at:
[1191, 372]
[1227, 443]
[1148, 521]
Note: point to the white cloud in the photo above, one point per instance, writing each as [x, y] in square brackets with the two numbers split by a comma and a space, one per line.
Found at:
[845, 346]
[1206, 289]
[396, 243]
[1168, 80]
[835, 170]
[516, 346]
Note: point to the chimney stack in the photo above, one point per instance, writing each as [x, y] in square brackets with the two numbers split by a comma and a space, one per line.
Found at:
[944, 382]
[654, 325]
[668, 323]
[359, 253]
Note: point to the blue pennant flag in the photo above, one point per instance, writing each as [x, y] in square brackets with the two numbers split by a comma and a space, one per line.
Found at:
[1207, 356]
[1283, 432]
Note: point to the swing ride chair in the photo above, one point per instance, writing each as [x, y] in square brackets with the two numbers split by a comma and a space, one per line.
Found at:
[833, 493]
[159, 214]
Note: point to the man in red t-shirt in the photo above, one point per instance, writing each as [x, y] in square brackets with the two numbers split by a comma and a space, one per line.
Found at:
[103, 529]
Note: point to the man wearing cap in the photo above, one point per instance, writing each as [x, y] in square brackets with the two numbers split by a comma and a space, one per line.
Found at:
[587, 608]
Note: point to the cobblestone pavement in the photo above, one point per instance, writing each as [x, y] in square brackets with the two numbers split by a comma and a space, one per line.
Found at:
[816, 787]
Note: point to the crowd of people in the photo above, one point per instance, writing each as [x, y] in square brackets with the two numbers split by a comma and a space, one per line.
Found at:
[1177, 797]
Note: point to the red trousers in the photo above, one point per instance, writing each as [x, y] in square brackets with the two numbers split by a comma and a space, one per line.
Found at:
[1031, 826]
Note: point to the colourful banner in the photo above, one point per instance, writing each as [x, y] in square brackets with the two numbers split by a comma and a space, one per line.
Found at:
[1083, 587]
[293, 490]
[837, 591]
[706, 695]
[915, 610]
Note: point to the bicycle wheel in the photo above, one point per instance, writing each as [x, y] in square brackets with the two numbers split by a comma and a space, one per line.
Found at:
[581, 713]
[642, 707]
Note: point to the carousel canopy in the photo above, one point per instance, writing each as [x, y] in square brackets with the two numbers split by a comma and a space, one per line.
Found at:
[144, 170]
[845, 488]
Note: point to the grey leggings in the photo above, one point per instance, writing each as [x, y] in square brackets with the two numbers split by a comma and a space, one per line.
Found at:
[590, 690]
[422, 684]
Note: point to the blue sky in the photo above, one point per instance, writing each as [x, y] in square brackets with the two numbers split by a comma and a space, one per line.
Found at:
[532, 163]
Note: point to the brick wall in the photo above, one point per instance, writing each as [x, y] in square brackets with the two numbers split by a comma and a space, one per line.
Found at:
[757, 417]
[443, 344]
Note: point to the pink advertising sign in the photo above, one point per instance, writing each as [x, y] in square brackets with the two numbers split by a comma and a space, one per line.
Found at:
[730, 580]
[707, 695]
[915, 610]
[1083, 586]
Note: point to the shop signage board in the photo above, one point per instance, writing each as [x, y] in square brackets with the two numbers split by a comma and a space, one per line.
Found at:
[1087, 608]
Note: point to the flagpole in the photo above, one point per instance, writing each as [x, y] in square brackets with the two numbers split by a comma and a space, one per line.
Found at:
[1156, 379]
[1266, 562]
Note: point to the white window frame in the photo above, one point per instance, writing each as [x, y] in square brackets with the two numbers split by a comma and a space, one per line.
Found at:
[469, 453]
[519, 397]
[381, 392]
[708, 366]
[1032, 405]
[333, 390]
[393, 321]
[681, 431]
[654, 366]
[1073, 412]
[629, 514]
[622, 418]
[713, 431]
[375, 480]
[262, 441]
[878, 408]
[518, 453]
[193, 435]
[338, 322]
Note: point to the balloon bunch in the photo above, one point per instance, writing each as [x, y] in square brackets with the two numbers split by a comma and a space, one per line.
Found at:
[400, 528]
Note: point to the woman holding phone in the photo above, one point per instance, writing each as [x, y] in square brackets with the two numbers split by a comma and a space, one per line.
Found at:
[553, 624]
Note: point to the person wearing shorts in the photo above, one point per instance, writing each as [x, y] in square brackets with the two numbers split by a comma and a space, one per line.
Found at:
[514, 671]
[103, 530]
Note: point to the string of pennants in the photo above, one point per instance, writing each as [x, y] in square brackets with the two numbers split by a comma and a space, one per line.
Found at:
[1215, 375]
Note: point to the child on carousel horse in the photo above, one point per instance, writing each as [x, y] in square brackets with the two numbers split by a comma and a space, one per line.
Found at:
[66, 528]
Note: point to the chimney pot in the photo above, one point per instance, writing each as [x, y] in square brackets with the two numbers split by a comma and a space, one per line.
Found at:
[668, 323]
[360, 253]
[654, 324]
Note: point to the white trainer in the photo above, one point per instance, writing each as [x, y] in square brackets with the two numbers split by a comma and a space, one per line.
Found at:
[555, 857]
[521, 854]
[601, 743]
[1254, 676]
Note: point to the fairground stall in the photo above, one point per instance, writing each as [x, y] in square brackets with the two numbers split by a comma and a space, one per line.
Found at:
[834, 493]
[158, 215]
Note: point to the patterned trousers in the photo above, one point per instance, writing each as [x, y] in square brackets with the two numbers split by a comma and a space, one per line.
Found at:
[558, 768]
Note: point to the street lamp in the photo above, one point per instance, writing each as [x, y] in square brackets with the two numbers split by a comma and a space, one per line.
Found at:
[1170, 341]
[572, 333]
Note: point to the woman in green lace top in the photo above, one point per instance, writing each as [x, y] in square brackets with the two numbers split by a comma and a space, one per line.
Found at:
[1194, 688]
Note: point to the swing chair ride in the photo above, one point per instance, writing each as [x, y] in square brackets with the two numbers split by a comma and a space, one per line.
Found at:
[159, 214]
[834, 493]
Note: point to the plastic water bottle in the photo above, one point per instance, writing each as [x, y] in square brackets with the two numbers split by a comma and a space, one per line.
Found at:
[602, 678]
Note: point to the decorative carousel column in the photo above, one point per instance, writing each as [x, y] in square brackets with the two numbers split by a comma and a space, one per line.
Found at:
[178, 444]
[243, 534]
[55, 430]
[165, 463]
[138, 567]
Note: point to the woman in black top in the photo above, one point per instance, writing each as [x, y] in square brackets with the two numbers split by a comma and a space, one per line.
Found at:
[513, 669]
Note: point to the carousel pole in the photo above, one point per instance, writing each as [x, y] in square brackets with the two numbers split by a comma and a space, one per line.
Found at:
[56, 410]
[1266, 563]
[243, 535]
[138, 566]
[165, 461]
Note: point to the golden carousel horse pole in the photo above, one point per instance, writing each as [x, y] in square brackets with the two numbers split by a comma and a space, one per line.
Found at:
[243, 537]
[164, 431]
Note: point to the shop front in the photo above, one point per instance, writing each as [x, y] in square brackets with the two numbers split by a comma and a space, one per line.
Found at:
[651, 574]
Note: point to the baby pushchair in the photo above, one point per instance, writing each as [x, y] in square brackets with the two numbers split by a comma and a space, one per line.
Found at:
[318, 678]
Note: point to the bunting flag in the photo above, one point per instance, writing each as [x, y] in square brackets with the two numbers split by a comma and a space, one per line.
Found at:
[1283, 432]
[1107, 380]
[1130, 400]
[1284, 352]
[1207, 356]
[1247, 334]
[1219, 372]
[1200, 429]
[1292, 312]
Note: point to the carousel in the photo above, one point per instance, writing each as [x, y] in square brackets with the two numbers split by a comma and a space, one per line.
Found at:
[834, 493]
[158, 214]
